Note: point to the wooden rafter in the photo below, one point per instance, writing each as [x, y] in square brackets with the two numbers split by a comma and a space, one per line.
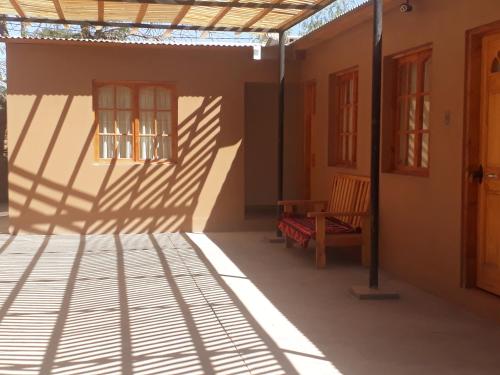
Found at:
[178, 19]
[100, 11]
[141, 13]
[59, 9]
[261, 14]
[218, 17]
[18, 9]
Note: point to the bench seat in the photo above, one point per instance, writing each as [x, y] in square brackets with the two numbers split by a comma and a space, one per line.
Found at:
[302, 228]
[341, 221]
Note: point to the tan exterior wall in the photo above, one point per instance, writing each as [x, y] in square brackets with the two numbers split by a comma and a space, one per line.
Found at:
[261, 134]
[420, 217]
[55, 183]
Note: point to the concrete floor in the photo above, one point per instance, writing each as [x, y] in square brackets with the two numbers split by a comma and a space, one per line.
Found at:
[228, 303]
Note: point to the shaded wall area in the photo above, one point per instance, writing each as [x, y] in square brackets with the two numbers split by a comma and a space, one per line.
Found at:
[3, 151]
[57, 186]
[420, 216]
[261, 137]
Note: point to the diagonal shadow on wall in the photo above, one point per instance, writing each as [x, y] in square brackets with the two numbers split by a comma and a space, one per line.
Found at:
[149, 197]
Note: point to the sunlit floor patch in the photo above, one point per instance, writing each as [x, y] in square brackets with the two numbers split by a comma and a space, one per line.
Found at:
[140, 304]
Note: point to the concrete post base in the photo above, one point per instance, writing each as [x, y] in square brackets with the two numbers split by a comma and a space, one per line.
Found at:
[364, 292]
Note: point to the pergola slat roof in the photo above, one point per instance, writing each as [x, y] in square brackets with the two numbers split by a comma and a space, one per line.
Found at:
[219, 15]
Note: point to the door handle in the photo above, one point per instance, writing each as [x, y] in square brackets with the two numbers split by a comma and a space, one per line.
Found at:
[492, 175]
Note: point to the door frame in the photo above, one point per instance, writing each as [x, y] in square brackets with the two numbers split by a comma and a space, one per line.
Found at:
[471, 150]
[309, 105]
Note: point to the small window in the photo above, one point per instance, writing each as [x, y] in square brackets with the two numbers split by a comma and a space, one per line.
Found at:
[135, 122]
[343, 118]
[412, 115]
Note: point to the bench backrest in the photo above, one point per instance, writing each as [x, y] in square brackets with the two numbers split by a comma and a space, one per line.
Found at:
[350, 194]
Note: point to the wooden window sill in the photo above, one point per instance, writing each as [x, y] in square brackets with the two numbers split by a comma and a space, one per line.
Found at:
[133, 162]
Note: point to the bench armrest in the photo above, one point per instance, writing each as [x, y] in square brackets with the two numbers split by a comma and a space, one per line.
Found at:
[335, 214]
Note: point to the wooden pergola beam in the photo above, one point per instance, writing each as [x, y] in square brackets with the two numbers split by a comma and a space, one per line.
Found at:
[141, 13]
[17, 8]
[262, 14]
[224, 4]
[220, 16]
[58, 7]
[178, 18]
[100, 11]
[138, 25]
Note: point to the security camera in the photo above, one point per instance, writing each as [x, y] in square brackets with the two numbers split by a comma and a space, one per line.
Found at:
[405, 7]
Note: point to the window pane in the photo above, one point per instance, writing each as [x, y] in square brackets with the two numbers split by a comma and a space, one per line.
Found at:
[146, 122]
[349, 148]
[351, 90]
[124, 146]
[425, 150]
[146, 98]
[124, 122]
[344, 148]
[426, 112]
[106, 122]
[163, 120]
[123, 97]
[402, 148]
[350, 123]
[164, 148]
[345, 119]
[347, 90]
[163, 98]
[412, 113]
[427, 75]
[402, 116]
[106, 97]
[146, 147]
[411, 150]
[106, 146]
[413, 78]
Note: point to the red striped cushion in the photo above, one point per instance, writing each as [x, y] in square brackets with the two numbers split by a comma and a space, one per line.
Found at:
[301, 228]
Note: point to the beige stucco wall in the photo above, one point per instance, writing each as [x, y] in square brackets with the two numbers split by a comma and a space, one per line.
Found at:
[55, 183]
[420, 217]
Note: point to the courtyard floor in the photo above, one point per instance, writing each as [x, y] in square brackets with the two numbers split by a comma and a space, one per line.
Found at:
[226, 303]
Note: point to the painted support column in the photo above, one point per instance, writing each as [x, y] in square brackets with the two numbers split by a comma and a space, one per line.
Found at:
[375, 140]
[281, 120]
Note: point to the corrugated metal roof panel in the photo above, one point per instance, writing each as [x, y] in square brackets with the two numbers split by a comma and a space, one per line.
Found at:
[198, 43]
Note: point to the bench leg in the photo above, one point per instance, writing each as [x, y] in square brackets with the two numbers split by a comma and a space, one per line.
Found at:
[320, 243]
[288, 242]
[366, 246]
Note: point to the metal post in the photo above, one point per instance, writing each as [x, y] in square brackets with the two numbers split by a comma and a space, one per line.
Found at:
[375, 141]
[281, 120]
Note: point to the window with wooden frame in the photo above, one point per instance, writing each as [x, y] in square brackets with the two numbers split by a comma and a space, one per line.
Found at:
[343, 118]
[135, 121]
[412, 115]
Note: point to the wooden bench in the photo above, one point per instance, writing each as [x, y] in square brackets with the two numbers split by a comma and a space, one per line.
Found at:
[342, 221]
